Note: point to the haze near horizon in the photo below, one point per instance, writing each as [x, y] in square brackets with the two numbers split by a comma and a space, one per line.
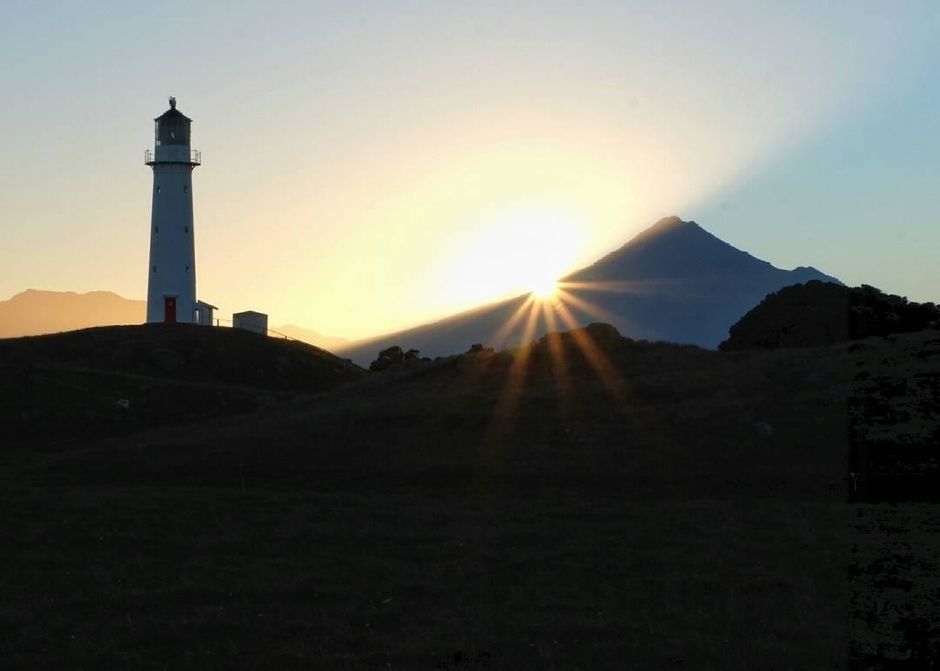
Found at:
[370, 167]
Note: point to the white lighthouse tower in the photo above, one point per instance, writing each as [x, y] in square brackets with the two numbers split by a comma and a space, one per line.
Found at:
[171, 289]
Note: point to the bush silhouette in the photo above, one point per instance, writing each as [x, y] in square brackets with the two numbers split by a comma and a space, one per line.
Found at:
[393, 356]
[388, 357]
[821, 313]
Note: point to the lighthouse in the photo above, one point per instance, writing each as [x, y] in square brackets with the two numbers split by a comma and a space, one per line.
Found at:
[171, 287]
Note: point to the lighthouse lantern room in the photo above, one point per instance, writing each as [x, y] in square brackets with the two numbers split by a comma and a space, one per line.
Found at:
[171, 288]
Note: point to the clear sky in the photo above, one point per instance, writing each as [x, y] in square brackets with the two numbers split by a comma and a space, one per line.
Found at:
[373, 165]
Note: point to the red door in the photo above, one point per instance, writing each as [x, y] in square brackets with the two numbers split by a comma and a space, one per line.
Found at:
[169, 310]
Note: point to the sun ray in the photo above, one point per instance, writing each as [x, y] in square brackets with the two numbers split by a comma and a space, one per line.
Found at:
[595, 357]
[566, 297]
[499, 338]
[559, 363]
[645, 287]
[553, 338]
[509, 398]
[531, 325]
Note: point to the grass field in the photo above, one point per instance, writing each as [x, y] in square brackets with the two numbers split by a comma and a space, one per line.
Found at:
[183, 578]
[687, 512]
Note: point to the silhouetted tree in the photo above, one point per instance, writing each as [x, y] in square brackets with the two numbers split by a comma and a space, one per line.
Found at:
[388, 357]
[394, 356]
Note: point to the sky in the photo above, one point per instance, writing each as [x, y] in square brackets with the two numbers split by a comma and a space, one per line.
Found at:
[369, 166]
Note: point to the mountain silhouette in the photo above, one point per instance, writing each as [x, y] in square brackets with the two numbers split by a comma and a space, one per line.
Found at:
[33, 312]
[674, 282]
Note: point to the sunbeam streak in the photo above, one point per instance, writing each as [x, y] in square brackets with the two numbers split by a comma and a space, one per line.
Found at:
[644, 287]
[551, 315]
[556, 351]
[499, 338]
[508, 402]
[566, 297]
[596, 358]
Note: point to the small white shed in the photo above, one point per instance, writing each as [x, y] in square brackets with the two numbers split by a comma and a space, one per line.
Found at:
[251, 321]
[204, 313]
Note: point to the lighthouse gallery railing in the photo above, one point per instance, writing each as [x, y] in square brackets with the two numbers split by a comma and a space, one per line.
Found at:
[195, 157]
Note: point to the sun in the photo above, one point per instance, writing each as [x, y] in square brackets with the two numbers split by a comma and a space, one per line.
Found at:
[514, 249]
[544, 289]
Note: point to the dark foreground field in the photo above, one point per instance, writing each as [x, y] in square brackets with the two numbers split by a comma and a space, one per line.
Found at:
[567, 506]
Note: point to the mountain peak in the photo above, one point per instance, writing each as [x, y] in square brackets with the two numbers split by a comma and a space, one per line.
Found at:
[673, 281]
[665, 228]
[667, 223]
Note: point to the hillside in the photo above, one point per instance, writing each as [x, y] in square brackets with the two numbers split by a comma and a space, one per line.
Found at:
[128, 377]
[33, 312]
[574, 503]
[615, 416]
[673, 282]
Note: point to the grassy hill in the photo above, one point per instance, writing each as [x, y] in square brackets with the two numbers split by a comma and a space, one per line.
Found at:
[585, 502]
[661, 420]
[124, 377]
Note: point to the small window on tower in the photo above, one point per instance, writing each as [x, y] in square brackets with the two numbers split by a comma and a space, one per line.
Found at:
[186, 188]
[187, 269]
[154, 269]
[158, 188]
[156, 229]
[185, 229]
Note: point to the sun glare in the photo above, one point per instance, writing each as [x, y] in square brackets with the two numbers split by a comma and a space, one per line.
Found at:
[544, 289]
[521, 248]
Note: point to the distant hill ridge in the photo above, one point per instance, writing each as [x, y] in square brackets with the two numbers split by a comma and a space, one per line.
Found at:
[33, 311]
[673, 282]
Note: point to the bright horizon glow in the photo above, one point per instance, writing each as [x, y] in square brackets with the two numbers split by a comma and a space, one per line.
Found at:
[373, 166]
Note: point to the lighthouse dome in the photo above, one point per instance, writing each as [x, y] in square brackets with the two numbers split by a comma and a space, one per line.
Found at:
[172, 127]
